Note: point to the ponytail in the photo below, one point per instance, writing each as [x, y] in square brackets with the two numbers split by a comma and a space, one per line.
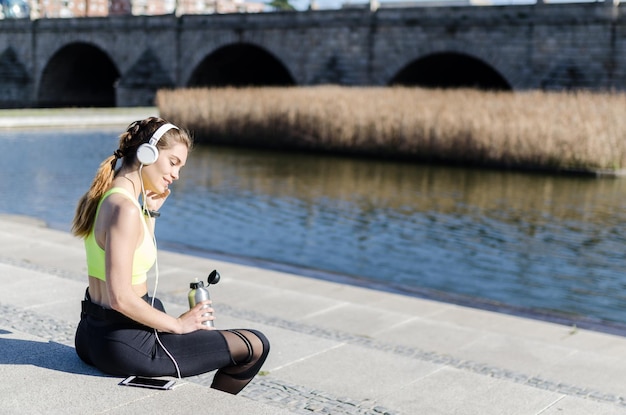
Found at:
[88, 204]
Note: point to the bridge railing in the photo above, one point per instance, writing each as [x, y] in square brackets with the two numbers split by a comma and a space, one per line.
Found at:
[41, 9]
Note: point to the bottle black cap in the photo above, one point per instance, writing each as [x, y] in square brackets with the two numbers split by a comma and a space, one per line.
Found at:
[196, 284]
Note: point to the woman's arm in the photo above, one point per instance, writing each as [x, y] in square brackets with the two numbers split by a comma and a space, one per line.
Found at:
[122, 237]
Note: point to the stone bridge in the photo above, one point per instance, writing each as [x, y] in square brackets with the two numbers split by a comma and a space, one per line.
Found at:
[123, 61]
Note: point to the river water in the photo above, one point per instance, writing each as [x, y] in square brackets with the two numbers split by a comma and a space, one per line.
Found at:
[545, 246]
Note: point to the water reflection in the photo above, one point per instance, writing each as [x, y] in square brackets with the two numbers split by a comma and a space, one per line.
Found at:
[532, 241]
[546, 243]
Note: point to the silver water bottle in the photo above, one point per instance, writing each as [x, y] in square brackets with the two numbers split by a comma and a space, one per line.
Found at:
[198, 294]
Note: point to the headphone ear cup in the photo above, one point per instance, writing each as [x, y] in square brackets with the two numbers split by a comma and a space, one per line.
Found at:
[147, 154]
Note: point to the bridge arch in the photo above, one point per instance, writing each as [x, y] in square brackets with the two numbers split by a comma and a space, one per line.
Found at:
[78, 75]
[241, 64]
[450, 70]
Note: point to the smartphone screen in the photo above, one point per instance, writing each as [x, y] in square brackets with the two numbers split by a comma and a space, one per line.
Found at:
[144, 382]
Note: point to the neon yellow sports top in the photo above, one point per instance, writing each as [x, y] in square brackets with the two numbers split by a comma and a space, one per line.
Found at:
[145, 254]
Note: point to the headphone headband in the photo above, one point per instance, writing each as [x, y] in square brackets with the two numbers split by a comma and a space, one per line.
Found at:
[159, 133]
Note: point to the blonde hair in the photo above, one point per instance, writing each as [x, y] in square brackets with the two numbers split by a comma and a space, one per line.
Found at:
[137, 133]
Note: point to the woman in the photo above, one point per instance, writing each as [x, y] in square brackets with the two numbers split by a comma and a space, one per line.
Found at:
[122, 330]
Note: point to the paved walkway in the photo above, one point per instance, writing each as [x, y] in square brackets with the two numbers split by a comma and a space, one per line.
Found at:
[119, 118]
[336, 349]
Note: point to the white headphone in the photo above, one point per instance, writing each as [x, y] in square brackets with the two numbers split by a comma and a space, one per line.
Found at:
[148, 153]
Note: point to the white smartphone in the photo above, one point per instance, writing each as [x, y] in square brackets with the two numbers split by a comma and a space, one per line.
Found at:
[152, 383]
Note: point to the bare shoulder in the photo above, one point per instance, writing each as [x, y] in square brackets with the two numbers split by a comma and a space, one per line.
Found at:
[119, 210]
[117, 219]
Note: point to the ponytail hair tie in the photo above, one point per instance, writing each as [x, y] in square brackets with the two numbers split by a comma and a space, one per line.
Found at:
[118, 154]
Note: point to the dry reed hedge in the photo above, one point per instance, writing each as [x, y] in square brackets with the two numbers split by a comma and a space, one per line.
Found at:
[558, 131]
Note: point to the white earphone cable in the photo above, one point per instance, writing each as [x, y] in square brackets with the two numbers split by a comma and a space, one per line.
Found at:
[145, 211]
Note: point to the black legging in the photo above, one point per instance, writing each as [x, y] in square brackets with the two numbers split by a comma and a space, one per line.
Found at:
[120, 346]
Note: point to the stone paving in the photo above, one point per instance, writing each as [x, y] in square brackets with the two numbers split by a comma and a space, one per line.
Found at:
[330, 354]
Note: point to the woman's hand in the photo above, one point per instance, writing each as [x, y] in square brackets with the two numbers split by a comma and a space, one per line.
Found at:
[154, 200]
[192, 320]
